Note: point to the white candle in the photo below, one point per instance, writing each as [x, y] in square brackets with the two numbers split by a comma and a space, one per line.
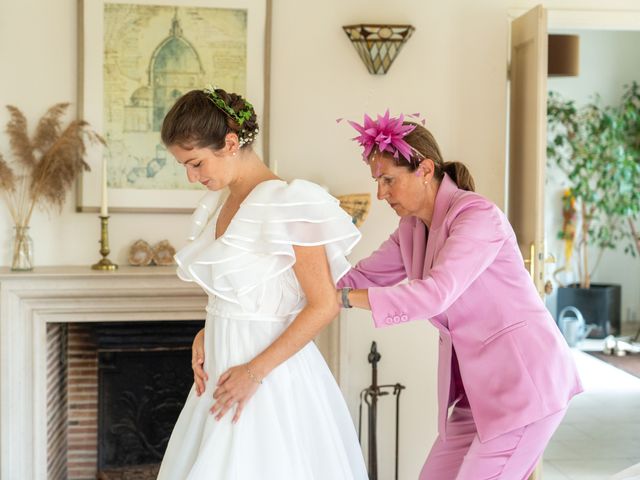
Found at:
[104, 212]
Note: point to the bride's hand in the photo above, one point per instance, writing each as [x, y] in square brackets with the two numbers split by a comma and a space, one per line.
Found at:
[236, 385]
[197, 362]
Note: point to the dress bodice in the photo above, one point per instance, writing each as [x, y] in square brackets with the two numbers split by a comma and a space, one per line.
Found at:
[251, 264]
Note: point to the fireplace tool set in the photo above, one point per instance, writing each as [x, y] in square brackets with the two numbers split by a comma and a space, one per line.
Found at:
[370, 396]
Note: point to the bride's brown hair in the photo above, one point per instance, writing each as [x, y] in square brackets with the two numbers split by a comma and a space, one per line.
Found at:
[195, 121]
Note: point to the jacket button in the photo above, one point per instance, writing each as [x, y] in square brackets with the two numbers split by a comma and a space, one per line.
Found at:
[396, 319]
[388, 321]
[404, 318]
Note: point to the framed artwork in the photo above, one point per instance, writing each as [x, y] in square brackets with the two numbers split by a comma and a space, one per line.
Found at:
[136, 57]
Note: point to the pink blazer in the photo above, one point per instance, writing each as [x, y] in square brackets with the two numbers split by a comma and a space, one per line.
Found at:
[467, 276]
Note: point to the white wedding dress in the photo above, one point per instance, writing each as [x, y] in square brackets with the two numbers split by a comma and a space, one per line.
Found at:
[296, 426]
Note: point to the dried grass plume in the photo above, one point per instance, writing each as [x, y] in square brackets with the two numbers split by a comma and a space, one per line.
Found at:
[46, 166]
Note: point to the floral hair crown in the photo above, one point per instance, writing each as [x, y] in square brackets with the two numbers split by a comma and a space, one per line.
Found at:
[240, 117]
[386, 134]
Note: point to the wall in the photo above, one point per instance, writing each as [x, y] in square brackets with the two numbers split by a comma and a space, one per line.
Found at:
[608, 60]
[453, 71]
[39, 65]
[321, 80]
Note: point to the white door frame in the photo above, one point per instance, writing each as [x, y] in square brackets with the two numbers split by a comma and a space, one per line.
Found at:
[587, 19]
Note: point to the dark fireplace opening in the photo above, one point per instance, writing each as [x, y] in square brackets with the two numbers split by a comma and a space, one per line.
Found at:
[144, 375]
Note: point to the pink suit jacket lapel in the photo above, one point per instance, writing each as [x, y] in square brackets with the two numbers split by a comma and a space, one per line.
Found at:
[419, 240]
[444, 198]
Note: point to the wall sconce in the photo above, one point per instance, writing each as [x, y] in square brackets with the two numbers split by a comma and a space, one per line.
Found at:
[378, 45]
[563, 56]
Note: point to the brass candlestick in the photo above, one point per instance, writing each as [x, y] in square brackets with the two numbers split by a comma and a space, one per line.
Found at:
[104, 263]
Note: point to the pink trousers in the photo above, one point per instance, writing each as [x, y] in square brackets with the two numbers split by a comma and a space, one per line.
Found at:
[512, 456]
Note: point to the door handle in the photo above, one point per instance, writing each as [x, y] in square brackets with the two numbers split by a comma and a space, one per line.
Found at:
[531, 266]
[548, 286]
[530, 262]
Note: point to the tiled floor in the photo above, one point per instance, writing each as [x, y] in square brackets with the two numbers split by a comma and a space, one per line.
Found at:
[600, 435]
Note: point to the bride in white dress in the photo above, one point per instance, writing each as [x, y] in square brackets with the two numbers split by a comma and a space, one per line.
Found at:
[269, 259]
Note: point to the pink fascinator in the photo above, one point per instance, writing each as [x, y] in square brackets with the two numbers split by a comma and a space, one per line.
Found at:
[385, 134]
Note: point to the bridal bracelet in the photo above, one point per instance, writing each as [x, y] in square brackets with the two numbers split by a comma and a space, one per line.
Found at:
[253, 377]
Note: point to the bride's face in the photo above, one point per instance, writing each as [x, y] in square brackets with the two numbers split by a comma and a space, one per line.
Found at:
[213, 169]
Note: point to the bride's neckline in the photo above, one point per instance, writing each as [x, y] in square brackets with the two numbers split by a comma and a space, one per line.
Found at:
[255, 188]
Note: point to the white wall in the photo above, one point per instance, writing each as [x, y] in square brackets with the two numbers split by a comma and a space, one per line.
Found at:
[453, 71]
[608, 60]
[317, 81]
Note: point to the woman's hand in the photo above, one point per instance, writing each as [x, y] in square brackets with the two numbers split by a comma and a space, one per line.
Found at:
[236, 385]
[197, 362]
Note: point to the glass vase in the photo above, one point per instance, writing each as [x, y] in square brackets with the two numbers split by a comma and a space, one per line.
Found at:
[22, 257]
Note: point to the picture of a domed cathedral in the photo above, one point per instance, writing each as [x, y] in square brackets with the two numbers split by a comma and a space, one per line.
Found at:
[153, 55]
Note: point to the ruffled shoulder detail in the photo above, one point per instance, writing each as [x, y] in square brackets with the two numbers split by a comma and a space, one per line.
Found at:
[258, 243]
[200, 231]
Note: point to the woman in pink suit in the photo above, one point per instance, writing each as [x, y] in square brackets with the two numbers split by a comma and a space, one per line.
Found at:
[503, 364]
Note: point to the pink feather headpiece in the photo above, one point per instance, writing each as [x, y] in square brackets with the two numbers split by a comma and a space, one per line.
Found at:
[385, 134]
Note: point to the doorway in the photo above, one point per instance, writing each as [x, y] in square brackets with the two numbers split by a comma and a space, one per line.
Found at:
[599, 435]
[595, 428]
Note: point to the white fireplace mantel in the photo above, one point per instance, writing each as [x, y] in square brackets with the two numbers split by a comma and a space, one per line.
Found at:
[28, 301]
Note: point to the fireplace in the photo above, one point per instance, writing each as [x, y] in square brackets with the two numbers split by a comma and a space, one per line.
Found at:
[144, 376]
[126, 383]
[58, 328]
[64, 329]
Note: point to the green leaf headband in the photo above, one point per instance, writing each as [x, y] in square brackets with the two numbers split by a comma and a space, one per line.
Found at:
[239, 117]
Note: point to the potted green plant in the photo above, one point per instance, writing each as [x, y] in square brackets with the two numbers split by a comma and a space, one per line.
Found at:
[598, 149]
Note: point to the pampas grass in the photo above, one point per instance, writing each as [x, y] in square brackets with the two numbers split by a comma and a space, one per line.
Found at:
[46, 166]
